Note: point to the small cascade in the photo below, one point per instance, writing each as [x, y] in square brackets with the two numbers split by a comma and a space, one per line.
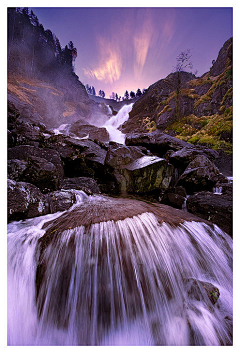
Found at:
[116, 121]
[184, 205]
[217, 190]
[109, 109]
[62, 129]
[118, 272]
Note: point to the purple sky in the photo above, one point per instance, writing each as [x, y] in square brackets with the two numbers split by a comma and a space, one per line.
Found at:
[130, 48]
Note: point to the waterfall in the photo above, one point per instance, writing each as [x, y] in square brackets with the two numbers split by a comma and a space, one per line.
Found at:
[118, 272]
[116, 121]
[62, 129]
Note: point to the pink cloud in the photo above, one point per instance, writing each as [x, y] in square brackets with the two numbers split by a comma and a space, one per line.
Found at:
[109, 69]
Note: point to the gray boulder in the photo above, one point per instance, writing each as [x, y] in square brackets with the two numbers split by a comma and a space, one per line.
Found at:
[41, 173]
[200, 174]
[60, 200]
[90, 153]
[119, 155]
[23, 152]
[187, 154]
[174, 196]
[157, 142]
[215, 208]
[16, 169]
[144, 175]
[83, 130]
[88, 185]
[25, 201]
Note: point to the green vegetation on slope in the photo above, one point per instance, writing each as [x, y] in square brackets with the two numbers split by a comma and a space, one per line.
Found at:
[214, 131]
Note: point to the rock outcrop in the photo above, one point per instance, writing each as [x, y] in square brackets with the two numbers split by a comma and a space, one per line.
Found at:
[136, 172]
[200, 174]
[157, 142]
[25, 201]
[146, 174]
[87, 185]
[89, 131]
[216, 208]
[149, 105]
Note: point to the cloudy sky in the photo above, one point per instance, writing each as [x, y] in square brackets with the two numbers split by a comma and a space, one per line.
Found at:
[130, 48]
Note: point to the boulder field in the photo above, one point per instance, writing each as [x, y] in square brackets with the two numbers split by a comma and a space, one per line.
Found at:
[44, 168]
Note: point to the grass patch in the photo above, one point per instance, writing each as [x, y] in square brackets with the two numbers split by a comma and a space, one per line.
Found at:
[205, 130]
[149, 125]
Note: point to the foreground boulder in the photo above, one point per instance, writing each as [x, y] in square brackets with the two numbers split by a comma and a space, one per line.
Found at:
[85, 154]
[144, 175]
[201, 174]
[25, 201]
[41, 173]
[213, 207]
[16, 169]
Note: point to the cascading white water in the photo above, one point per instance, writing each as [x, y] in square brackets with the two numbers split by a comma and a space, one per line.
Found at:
[62, 129]
[134, 280]
[114, 122]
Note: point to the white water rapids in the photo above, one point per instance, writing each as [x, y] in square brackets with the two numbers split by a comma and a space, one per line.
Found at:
[116, 282]
[112, 125]
[116, 121]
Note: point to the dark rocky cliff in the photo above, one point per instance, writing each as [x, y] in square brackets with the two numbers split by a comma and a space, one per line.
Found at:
[41, 80]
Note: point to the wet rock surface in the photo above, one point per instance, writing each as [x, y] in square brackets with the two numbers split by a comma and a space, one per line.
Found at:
[203, 291]
[82, 131]
[88, 185]
[119, 155]
[174, 196]
[215, 208]
[60, 200]
[146, 174]
[25, 201]
[187, 154]
[200, 174]
[157, 142]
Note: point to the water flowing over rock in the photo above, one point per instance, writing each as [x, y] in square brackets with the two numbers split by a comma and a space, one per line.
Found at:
[119, 272]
